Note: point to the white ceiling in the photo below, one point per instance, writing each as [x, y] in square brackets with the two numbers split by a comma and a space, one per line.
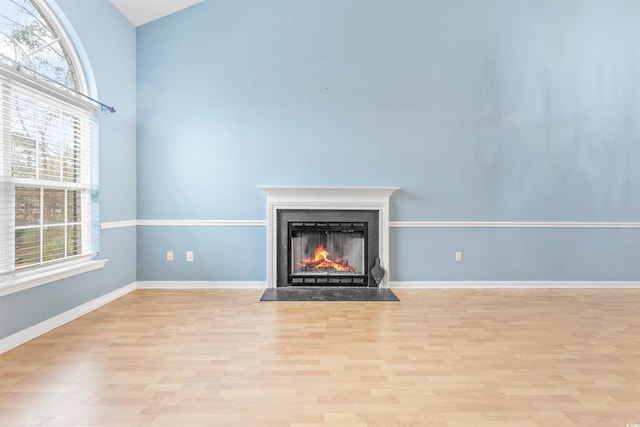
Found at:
[139, 12]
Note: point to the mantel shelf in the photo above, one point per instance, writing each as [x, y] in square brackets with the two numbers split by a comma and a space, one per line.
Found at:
[323, 192]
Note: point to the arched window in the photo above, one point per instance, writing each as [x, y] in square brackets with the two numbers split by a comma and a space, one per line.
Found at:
[46, 153]
[27, 37]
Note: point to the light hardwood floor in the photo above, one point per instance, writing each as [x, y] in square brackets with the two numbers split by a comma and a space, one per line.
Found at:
[437, 358]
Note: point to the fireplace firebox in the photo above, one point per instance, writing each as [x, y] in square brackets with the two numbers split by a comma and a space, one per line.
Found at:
[326, 247]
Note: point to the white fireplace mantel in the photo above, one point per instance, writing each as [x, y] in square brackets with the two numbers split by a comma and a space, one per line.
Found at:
[357, 198]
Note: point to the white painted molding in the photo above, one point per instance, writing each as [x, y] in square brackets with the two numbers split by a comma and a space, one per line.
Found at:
[578, 284]
[201, 285]
[45, 326]
[295, 194]
[510, 224]
[185, 223]
[355, 198]
[118, 224]
[203, 222]
[392, 224]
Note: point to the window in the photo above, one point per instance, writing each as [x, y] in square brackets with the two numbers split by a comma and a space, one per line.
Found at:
[46, 165]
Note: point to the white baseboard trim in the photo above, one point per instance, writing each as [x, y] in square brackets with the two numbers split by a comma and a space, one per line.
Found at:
[511, 224]
[192, 284]
[524, 284]
[613, 284]
[45, 326]
[470, 284]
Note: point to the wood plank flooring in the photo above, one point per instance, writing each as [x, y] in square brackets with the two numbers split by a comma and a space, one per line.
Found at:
[436, 358]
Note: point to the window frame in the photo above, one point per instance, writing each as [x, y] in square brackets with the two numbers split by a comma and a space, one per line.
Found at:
[15, 280]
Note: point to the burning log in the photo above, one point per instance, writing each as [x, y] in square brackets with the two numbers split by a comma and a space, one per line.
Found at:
[321, 261]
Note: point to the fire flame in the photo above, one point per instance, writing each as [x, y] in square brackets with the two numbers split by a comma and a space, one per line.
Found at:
[320, 260]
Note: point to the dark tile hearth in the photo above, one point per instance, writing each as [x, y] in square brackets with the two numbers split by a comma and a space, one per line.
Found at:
[299, 293]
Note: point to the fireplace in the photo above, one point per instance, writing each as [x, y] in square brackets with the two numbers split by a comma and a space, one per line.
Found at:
[327, 236]
[329, 247]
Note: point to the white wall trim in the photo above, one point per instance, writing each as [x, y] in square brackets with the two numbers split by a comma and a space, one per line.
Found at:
[510, 224]
[45, 326]
[191, 284]
[184, 223]
[118, 224]
[392, 224]
[204, 222]
[525, 284]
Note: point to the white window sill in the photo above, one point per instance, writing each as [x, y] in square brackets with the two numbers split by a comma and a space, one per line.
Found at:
[17, 284]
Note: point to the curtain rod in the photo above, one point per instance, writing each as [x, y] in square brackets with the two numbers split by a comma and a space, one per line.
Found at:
[102, 105]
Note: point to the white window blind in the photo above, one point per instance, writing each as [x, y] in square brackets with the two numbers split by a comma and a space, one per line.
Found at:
[45, 174]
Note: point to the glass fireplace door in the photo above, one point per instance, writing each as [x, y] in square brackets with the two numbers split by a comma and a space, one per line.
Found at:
[327, 253]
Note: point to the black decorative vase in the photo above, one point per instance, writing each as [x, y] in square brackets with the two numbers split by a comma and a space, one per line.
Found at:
[377, 272]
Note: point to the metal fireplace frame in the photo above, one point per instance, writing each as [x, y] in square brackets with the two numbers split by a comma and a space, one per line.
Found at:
[326, 219]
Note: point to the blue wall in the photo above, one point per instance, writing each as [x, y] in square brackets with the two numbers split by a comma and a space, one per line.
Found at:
[108, 42]
[479, 110]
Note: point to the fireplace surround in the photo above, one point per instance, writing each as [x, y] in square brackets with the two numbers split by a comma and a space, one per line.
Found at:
[330, 227]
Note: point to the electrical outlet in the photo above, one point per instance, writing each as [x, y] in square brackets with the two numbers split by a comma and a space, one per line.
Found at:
[169, 255]
[189, 256]
[458, 256]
